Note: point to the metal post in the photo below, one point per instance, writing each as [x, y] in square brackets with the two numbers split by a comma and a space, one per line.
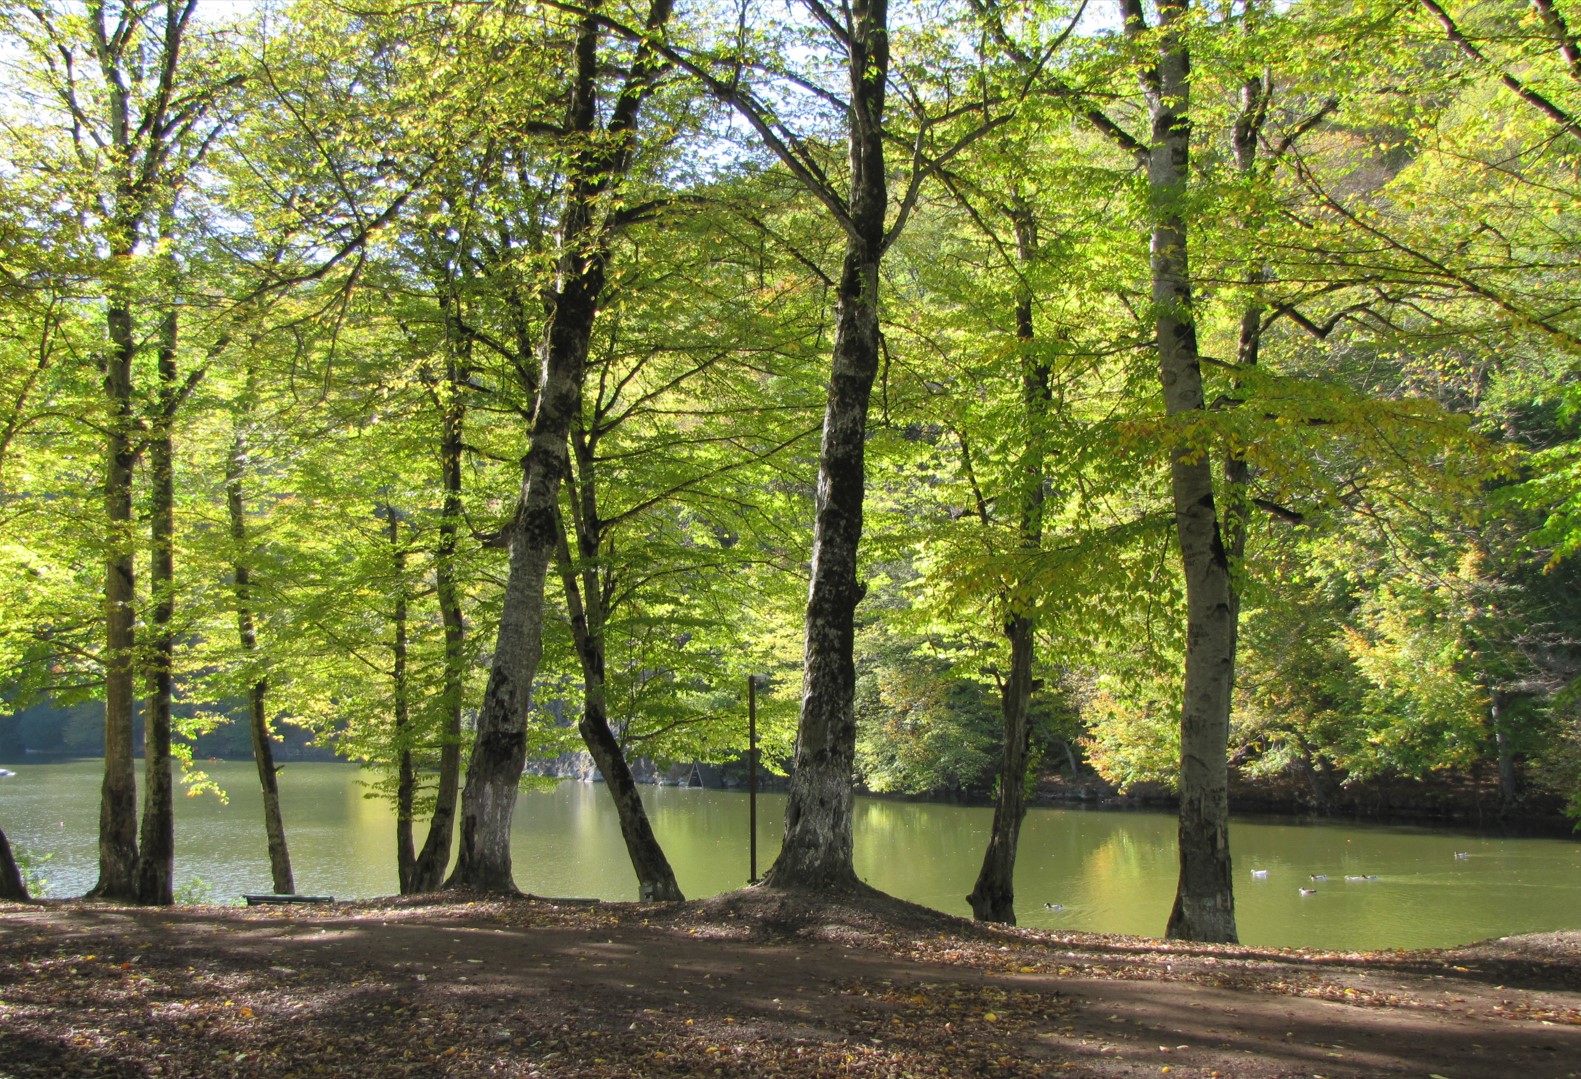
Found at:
[752, 776]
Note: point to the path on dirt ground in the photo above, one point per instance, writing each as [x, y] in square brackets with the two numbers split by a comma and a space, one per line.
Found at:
[737, 988]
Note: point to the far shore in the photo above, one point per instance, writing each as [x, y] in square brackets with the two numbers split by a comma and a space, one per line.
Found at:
[1452, 802]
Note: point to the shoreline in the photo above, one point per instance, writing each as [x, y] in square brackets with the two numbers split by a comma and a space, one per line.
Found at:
[1459, 804]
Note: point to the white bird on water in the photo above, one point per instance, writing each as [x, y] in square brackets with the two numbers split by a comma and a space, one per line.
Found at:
[1259, 874]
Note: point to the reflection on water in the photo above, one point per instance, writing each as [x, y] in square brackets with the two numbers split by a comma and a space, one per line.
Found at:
[1111, 872]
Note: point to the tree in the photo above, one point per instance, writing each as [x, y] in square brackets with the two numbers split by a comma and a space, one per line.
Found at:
[600, 154]
[242, 591]
[816, 850]
[678, 434]
[131, 88]
[13, 889]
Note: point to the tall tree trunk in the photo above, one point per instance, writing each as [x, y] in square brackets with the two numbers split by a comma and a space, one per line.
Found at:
[138, 51]
[118, 793]
[1255, 96]
[488, 801]
[586, 608]
[156, 855]
[1509, 791]
[499, 750]
[13, 889]
[406, 773]
[993, 899]
[258, 692]
[1204, 899]
[816, 851]
[428, 872]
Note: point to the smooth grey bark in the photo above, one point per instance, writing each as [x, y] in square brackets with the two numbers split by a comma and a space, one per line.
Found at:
[1204, 907]
[993, 898]
[598, 164]
[156, 848]
[428, 869]
[816, 851]
[13, 888]
[247, 637]
[499, 747]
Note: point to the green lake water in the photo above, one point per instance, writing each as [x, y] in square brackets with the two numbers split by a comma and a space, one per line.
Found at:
[1110, 871]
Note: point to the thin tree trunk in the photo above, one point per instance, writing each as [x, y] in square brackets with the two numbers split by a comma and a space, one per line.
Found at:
[1509, 791]
[993, 898]
[1204, 906]
[1255, 94]
[655, 878]
[156, 855]
[816, 851]
[406, 774]
[258, 692]
[13, 889]
[499, 749]
[428, 872]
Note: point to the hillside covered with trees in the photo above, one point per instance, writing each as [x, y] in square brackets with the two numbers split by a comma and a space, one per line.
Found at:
[1181, 389]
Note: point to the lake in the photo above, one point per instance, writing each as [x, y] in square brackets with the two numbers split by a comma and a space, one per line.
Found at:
[1110, 871]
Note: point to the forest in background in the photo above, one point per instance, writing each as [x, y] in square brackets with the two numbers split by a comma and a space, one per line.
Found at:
[287, 296]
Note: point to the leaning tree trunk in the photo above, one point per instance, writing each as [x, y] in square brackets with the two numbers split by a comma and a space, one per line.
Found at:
[655, 878]
[1204, 900]
[118, 794]
[816, 851]
[499, 749]
[428, 871]
[993, 899]
[258, 691]
[156, 855]
[585, 605]
[13, 889]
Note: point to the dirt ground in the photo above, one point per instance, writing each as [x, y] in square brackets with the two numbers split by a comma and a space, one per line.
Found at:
[748, 984]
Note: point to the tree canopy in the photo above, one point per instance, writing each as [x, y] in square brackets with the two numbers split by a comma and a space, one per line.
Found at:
[1181, 391]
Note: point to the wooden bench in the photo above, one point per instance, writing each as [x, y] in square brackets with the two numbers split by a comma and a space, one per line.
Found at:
[264, 900]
